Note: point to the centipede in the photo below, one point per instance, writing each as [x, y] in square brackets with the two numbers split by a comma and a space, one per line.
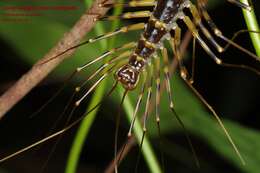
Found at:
[144, 67]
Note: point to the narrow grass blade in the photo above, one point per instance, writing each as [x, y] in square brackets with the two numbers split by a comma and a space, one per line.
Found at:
[252, 24]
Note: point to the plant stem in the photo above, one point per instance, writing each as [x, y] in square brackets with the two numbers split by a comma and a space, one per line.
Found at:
[252, 25]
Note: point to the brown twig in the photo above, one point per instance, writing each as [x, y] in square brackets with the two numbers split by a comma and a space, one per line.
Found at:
[124, 150]
[38, 72]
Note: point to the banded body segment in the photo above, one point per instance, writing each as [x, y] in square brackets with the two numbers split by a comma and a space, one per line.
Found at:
[166, 10]
[163, 14]
[156, 29]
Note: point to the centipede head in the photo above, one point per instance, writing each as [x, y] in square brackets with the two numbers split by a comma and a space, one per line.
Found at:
[128, 76]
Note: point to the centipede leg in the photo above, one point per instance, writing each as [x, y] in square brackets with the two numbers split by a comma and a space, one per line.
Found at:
[229, 42]
[106, 54]
[128, 15]
[192, 28]
[149, 96]
[133, 3]
[123, 29]
[195, 33]
[147, 107]
[175, 43]
[139, 100]
[219, 34]
[200, 97]
[157, 105]
[171, 105]
[118, 117]
[121, 58]
[191, 80]
[77, 103]
[198, 21]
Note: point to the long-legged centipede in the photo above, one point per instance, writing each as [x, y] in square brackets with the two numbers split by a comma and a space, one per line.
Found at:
[163, 25]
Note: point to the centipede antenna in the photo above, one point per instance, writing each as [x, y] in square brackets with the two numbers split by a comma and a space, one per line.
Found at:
[56, 134]
[171, 105]
[218, 120]
[118, 117]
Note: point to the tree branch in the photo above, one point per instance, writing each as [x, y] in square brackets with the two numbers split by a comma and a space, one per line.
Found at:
[38, 72]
